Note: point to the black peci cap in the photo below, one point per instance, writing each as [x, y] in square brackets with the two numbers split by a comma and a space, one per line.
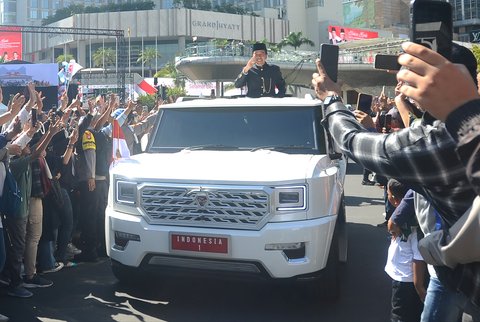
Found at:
[259, 46]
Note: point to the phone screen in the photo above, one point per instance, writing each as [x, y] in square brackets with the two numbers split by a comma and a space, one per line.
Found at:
[329, 60]
[34, 117]
[386, 62]
[364, 103]
[388, 122]
[432, 25]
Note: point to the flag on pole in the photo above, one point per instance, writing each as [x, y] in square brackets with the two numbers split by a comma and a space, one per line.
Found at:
[142, 86]
[145, 88]
[120, 148]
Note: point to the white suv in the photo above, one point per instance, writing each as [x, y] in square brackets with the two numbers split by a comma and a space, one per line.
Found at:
[248, 187]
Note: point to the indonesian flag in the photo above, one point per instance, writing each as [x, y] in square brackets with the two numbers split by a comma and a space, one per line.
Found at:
[120, 148]
[144, 88]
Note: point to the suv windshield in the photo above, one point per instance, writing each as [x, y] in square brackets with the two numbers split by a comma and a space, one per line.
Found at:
[286, 129]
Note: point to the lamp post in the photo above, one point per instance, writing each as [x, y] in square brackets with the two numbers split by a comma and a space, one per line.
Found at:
[129, 61]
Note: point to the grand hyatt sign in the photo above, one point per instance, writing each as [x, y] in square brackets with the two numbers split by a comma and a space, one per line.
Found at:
[217, 25]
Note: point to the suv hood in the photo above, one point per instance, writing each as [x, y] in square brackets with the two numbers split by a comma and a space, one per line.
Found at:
[222, 166]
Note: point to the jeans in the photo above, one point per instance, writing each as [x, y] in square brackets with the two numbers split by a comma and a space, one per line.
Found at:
[441, 304]
[66, 225]
[45, 255]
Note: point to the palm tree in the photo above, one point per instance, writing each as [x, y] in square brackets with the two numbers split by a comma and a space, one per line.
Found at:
[170, 71]
[68, 57]
[148, 56]
[103, 57]
[295, 39]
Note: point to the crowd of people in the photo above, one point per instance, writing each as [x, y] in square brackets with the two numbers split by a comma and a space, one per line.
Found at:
[422, 145]
[434, 158]
[60, 161]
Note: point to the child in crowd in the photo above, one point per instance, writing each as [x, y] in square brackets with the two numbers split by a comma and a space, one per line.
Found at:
[405, 265]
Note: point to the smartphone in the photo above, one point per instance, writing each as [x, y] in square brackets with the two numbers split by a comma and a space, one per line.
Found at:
[432, 25]
[34, 117]
[329, 60]
[364, 103]
[386, 121]
[386, 62]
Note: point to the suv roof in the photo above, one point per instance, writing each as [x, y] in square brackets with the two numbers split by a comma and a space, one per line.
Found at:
[263, 101]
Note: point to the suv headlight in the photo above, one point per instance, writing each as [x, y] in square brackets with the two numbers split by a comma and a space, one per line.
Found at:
[290, 198]
[126, 192]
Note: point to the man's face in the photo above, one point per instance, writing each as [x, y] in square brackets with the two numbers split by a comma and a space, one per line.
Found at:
[260, 57]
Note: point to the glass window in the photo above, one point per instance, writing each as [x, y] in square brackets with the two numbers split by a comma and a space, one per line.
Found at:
[33, 14]
[291, 130]
[314, 3]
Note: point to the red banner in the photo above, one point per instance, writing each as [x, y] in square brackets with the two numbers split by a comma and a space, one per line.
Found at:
[339, 34]
[10, 45]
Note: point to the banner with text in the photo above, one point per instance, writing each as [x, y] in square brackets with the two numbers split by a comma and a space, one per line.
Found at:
[11, 45]
[339, 34]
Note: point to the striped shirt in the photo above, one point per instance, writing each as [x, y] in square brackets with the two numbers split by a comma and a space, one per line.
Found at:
[422, 157]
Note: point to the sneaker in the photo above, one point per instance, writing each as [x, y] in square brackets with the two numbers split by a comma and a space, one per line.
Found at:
[71, 249]
[36, 281]
[3, 318]
[20, 291]
[58, 266]
[4, 281]
[368, 183]
[69, 264]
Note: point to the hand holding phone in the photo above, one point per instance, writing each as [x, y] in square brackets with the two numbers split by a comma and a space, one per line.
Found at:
[386, 62]
[329, 60]
[432, 25]
[364, 103]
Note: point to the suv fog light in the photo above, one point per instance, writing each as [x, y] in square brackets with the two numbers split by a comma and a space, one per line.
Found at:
[122, 239]
[293, 252]
[284, 246]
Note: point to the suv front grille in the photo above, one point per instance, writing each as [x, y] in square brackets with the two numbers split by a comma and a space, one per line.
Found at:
[216, 207]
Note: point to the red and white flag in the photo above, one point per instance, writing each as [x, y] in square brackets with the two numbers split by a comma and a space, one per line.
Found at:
[144, 88]
[120, 148]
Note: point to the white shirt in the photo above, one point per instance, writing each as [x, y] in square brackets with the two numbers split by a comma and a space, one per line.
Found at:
[400, 258]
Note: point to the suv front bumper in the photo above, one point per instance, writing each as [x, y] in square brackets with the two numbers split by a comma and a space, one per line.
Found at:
[151, 247]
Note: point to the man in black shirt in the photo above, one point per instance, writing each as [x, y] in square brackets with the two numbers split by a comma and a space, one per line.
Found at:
[261, 78]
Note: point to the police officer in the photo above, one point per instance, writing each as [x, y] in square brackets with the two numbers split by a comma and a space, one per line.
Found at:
[261, 78]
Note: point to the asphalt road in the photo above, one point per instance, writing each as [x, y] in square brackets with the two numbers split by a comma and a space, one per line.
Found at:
[89, 292]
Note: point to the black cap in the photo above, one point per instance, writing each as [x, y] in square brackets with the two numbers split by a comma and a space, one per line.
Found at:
[463, 55]
[259, 46]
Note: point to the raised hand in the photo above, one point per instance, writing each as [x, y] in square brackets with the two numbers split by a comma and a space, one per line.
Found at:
[322, 84]
[16, 104]
[435, 83]
[39, 100]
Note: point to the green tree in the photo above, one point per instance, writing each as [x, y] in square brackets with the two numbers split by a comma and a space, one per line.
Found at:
[148, 57]
[104, 55]
[295, 39]
[73, 9]
[170, 71]
[176, 92]
[68, 57]
[147, 100]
